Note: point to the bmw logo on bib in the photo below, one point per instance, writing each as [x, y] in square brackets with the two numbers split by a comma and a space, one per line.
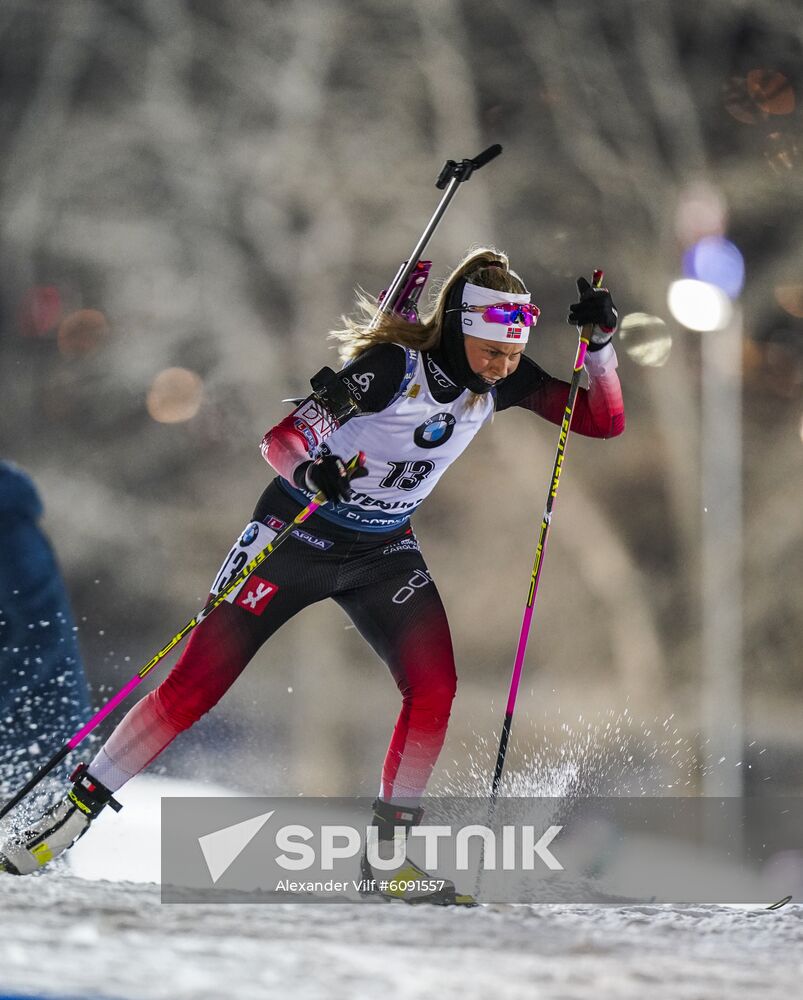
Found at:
[249, 534]
[435, 431]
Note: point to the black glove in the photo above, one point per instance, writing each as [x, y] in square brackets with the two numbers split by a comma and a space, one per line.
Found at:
[328, 475]
[595, 307]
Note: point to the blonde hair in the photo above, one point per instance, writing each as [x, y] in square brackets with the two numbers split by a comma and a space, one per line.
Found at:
[483, 266]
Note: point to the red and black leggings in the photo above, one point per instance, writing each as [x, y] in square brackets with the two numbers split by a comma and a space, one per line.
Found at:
[382, 583]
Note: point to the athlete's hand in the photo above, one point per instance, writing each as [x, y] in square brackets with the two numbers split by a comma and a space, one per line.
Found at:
[595, 307]
[328, 475]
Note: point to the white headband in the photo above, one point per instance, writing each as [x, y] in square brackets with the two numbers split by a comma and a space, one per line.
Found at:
[475, 326]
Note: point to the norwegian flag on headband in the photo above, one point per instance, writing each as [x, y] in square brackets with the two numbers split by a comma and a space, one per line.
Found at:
[477, 300]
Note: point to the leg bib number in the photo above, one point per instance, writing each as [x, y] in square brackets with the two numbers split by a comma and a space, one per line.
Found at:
[258, 591]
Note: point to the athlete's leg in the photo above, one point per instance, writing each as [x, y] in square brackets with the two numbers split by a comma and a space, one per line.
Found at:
[218, 651]
[399, 611]
[401, 615]
[216, 654]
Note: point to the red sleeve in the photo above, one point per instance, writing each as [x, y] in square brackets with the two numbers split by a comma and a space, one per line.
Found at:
[296, 438]
[599, 411]
[373, 380]
[284, 448]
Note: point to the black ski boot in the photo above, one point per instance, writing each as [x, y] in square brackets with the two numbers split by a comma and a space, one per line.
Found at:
[408, 883]
[59, 828]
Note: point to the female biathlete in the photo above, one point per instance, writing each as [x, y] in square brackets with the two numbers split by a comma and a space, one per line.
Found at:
[411, 397]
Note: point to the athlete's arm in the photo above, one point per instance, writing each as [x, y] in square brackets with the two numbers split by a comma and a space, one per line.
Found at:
[372, 380]
[598, 411]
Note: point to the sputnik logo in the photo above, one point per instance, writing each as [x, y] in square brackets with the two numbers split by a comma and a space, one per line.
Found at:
[222, 848]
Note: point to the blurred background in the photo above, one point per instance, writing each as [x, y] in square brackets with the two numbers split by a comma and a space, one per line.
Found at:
[191, 192]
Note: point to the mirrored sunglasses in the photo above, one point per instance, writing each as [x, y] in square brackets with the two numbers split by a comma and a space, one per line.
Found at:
[508, 313]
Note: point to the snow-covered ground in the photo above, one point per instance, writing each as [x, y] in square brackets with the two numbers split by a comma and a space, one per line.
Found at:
[61, 935]
[98, 930]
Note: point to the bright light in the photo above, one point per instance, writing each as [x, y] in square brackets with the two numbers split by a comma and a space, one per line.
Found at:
[698, 305]
[175, 395]
[645, 339]
[717, 261]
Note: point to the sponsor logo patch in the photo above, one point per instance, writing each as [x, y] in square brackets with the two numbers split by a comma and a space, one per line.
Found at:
[317, 543]
[358, 383]
[249, 534]
[309, 437]
[317, 419]
[256, 595]
[276, 523]
[439, 376]
[435, 431]
[420, 578]
[402, 545]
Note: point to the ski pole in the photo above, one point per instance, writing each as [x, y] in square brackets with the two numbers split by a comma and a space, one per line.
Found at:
[402, 293]
[574, 385]
[113, 702]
